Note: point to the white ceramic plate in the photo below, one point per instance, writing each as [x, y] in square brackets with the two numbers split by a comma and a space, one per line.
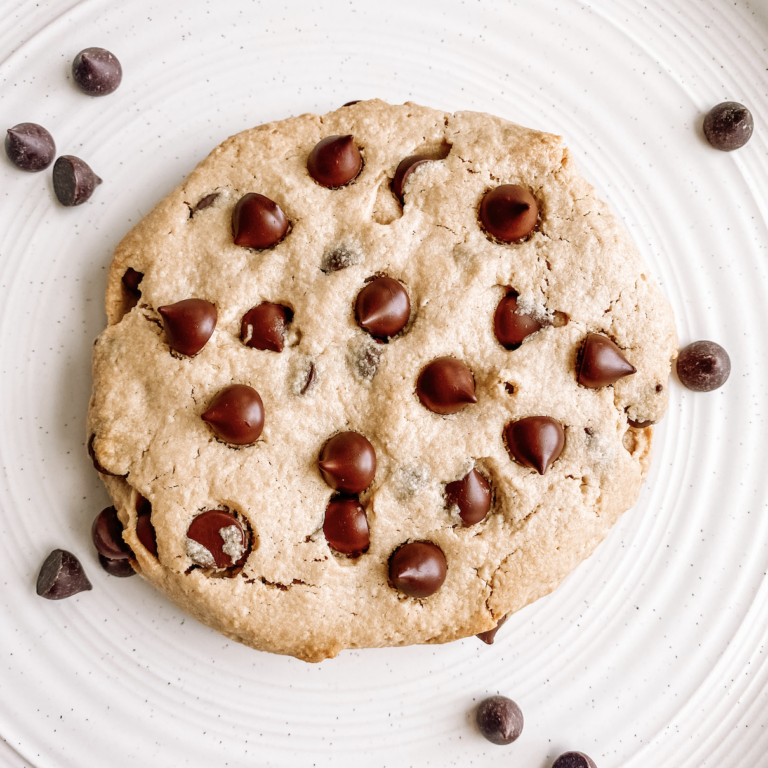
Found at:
[651, 653]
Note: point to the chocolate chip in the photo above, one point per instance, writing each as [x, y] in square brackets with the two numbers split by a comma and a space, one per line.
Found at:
[97, 72]
[350, 103]
[346, 526]
[73, 180]
[204, 202]
[472, 495]
[490, 635]
[382, 308]
[511, 325]
[535, 442]
[404, 170]
[640, 424]
[703, 366]
[365, 358]
[728, 126]
[145, 531]
[236, 414]
[418, 568]
[348, 462]
[499, 720]
[107, 535]
[258, 222]
[264, 326]
[217, 539]
[120, 568]
[96, 464]
[338, 258]
[131, 280]
[445, 386]
[602, 362]
[30, 147]
[573, 760]
[335, 161]
[61, 576]
[509, 213]
[188, 324]
[310, 377]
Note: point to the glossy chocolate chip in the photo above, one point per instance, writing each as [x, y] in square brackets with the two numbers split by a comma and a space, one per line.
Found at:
[602, 362]
[188, 324]
[334, 161]
[535, 442]
[97, 72]
[510, 325]
[346, 526]
[236, 414]
[418, 568]
[490, 635]
[73, 180]
[258, 222]
[703, 366]
[499, 720]
[30, 147]
[120, 568]
[217, 539]
[574, 760]
[145, 531]
[131, 281]
[348, 462]
[445, 386]
[472, 495]
[728, 126]
[264, 326]
[509, 213]
[107, 535]
[61, 576]
[382, 308]
[404, 170]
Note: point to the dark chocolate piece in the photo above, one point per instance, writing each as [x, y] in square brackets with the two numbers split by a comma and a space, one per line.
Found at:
[145, 531]
[728, 126]
[236, 414]
[602, 362]
[703, 366]
[350, 103]
[499, 720]
[348, 462]
[96, 464]
[222, 537]
[61, 576]
[97, 72]
[205, 202]
[382, 308]
[406, 167]
[107, 535]
[131, 281]
[335, 161]
[446, 386]
[418, 568]
[264, 326]
[120, 568]
[73, 180]
[30, 147]
[574, 760]
[472, 495]
[346, 526]
[490, 635]
[258, 222]
[535, 442]
[640, 424]
[509, 213]
[510, 325]
[188, 324]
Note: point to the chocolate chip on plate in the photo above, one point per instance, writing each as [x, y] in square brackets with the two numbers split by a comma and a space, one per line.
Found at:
[97, 72]
[264, 326]
[602, 362]
[335, 161]
[30, 147]
[236, 414]
[490, 635]
[703, 366]
[145, 531]
[728, 126]
[131, 281]
[216, 539]
[509, 213]
[188, 324]
[573, 760]
[418, 568]
[472, 495]
[535, 442]
[61, 576]
[446, 386]
[107, 535]
[510, 325]
[499, 719]
[346, 526]
[258, 222]
[73, 180]
[382, 308]
[348, 462]
[120, 568]
[406, 167]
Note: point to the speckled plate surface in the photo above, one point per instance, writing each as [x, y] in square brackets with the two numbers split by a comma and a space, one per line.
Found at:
[651, 653]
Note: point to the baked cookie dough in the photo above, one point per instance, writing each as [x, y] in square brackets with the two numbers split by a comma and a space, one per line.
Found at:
[348, 397]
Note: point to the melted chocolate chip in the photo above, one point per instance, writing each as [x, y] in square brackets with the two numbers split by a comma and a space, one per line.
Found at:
[640, 424]
[236, 414]
[703, 366]
[602, 362]
[258, 222]
[728, 126]
[512, 326]
[490, 635]
[107, 535]
[97, 72]
[73, 180]
[445, 386]
[264, 326]
[145, 531]
[574, 760]
[346, 526]
[509, 213]
[217, 539]
[188, 324]
[131, 280]
[348, 462]
[30, 147]
[472, 495]
[335, 161]
[535, 442]
[382, 308]
[204, 203]
[499, 720]
[120, 568]
[61, 576]
[404, 170]
[418, 568]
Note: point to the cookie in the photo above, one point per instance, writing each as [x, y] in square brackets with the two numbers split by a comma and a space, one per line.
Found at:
[375, 378]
